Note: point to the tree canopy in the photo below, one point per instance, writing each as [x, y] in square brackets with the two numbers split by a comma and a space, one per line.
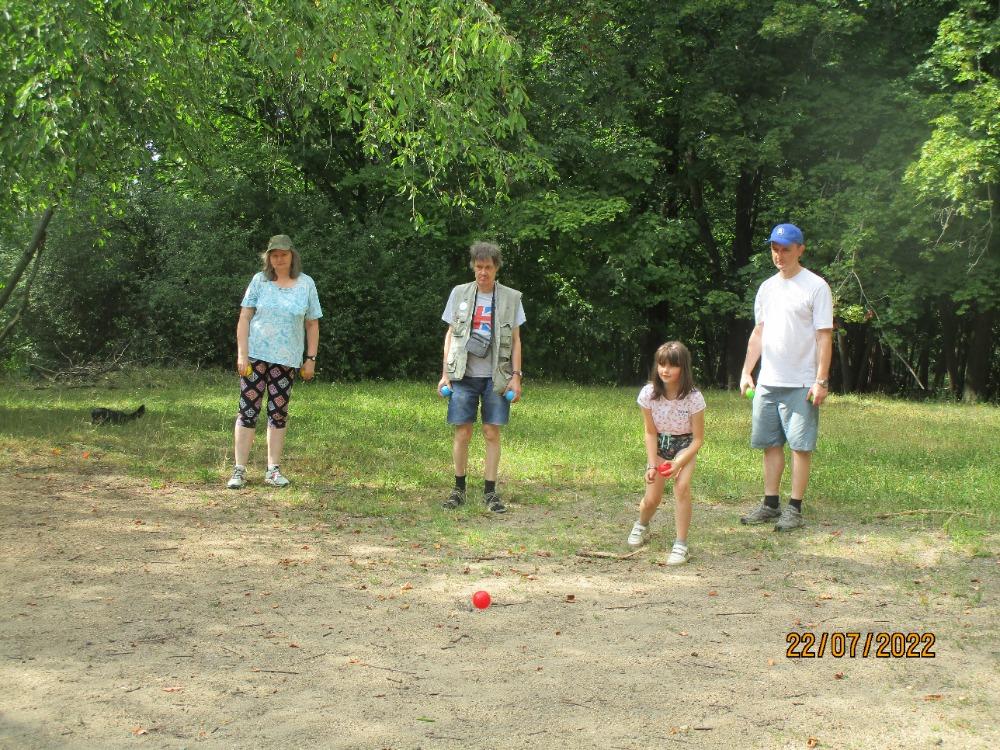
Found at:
[630, 156]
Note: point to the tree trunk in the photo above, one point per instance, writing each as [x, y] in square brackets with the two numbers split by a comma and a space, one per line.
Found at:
[737, 329]
[948, 331]
[22, 264]
[977, 367]
[846, 373]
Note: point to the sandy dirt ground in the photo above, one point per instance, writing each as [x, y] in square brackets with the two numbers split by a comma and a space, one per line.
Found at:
[183, 617]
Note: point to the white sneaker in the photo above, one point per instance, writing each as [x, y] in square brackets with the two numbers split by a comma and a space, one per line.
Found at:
[238, 479]
[678, 555]
[275, 478]
[638, 536]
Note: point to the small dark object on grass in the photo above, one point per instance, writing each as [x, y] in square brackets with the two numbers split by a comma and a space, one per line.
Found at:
[101, 415]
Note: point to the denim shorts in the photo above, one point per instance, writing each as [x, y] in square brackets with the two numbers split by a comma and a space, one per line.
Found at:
[783, 415]
[464, 402]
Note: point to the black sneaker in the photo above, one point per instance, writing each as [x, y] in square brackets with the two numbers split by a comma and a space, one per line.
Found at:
[456, 498]
[494, 503]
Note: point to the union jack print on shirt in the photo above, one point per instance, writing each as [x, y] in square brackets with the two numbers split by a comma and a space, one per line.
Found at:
[482, 319]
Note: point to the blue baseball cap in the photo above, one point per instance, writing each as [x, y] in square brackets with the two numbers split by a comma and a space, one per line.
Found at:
[787, 234]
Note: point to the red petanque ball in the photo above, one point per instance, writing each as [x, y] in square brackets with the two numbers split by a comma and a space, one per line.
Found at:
[481, 600]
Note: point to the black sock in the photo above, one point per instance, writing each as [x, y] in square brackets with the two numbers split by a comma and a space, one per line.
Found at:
[460, 482]
[797, 504]
[490, 487]
[771, 501]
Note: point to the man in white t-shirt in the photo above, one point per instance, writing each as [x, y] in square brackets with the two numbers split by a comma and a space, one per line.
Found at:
[793, 338]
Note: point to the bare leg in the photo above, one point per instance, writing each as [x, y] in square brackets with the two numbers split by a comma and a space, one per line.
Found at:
[275, 444]
[492, 434]
[682, 501]
[243, 440]
[774, 465]
[801, 463]
[651, 500]
[460, 448]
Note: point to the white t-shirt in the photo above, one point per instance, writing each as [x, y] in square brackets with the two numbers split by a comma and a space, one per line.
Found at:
[482, 322]
[671, 417]
[792, 310]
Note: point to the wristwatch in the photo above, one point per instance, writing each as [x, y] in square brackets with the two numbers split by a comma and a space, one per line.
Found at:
[825, 383]
[311, 356]
[519, 373]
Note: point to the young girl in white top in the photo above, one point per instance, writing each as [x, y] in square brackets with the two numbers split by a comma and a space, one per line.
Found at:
[673, 411]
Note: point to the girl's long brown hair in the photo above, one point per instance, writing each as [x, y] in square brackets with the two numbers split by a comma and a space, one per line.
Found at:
[676, 354]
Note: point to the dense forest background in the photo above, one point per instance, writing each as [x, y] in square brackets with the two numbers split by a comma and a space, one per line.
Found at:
[629, 156]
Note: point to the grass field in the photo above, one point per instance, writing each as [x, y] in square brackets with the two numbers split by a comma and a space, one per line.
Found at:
[381, 450]
[145, 603]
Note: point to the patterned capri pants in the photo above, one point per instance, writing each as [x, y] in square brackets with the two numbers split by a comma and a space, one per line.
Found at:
[276, 381]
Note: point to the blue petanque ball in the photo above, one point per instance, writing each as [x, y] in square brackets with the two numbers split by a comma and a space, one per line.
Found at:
[446, 391]
[509, 395]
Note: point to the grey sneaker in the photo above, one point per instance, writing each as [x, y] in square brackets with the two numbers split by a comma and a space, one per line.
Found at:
[494, 503]
[275, 478]
[761, 514]
[456, 498]
[790, 519]
[638, 536]
[238, 479]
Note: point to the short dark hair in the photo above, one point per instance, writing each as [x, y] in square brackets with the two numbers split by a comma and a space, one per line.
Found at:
[485, 251]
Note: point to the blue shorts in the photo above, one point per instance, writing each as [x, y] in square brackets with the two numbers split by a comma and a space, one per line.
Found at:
[464, 402]
[783, 415]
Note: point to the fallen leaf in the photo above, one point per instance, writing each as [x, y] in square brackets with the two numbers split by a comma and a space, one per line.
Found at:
[839, 676]
[812, 742]
[770, 662]
[933, 697]
[293, 645]
[175, 689]
[684, 632]
[826, 596]
[570, 597]
[138, 730]
[86, 454]
[713, 593]
[407, 586]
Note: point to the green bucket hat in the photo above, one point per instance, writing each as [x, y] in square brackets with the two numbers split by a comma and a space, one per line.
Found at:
[280, 242]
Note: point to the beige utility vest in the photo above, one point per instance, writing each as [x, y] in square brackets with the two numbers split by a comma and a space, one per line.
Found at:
[502, 341]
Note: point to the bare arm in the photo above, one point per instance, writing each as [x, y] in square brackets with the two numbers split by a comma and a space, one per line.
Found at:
[753, 356]
[684, 457]
[312, 347]
[650, 437]
[515, 358]
[243, 338]
[824, 353]
[445, 380]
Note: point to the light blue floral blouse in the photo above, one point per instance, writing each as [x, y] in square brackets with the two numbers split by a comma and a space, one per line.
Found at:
[277, 329]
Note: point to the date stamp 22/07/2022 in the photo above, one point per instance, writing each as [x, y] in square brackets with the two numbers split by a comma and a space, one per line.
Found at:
[851, 644]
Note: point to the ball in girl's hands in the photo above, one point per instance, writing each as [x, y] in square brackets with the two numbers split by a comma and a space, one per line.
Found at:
[665, 468]
[750, 393]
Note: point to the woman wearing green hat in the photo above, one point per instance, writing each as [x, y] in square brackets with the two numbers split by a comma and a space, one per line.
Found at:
[279, 319]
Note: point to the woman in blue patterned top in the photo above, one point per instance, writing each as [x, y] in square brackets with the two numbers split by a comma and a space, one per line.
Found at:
[279, 318]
